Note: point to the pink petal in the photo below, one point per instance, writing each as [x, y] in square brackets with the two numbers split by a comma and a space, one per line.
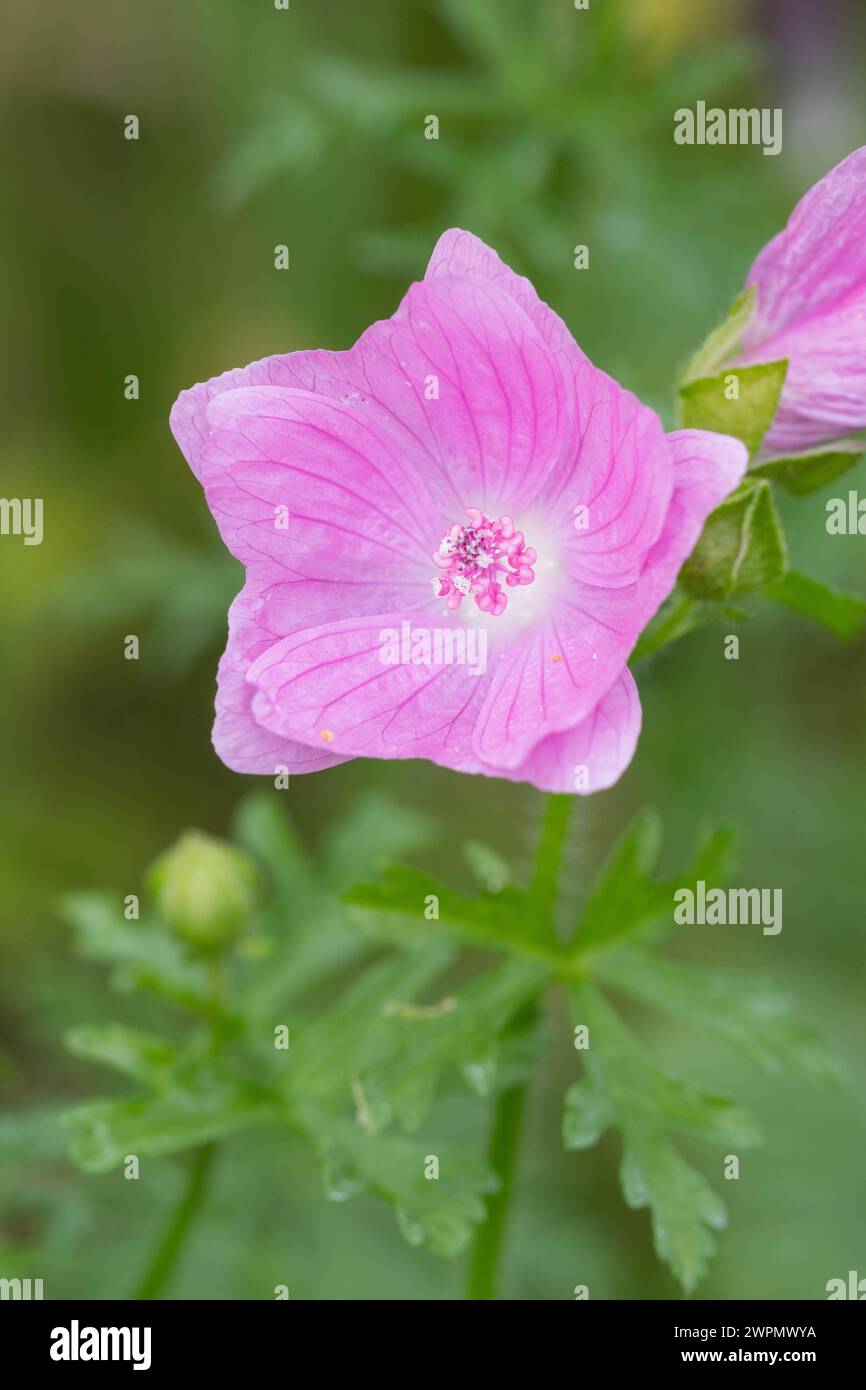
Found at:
[499, 422]
[707, 467]
[336, 536]
[355, 509]
[241, 743]
[810, 282]
[595, 753]
[297, 576]
[358, 538]
[331, 681]
[549, 680]
[320, 371]
[460, 253]
[330, 686]
[609, 498]
[553, 677]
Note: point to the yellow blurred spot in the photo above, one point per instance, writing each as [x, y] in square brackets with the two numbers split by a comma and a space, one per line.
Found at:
[556, 657]
[665, 28]
[327, 736]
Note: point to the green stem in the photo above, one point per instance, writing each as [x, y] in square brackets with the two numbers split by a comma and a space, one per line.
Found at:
[502, 1158]
[679, 616]
[167, 1253]
[504, 1145]
[544, 887]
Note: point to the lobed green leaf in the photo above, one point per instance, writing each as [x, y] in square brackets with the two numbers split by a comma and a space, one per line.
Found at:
[625, 1088]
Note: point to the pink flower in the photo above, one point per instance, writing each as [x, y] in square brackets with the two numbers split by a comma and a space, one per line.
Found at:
[463, 480]
[810, 284]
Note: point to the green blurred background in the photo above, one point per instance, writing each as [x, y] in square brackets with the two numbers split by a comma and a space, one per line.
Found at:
[155, 257]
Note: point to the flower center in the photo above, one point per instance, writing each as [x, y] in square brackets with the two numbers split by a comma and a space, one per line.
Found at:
[475, 559]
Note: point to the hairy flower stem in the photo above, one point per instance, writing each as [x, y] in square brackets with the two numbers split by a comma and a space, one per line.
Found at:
[502, 1157]
[504, 1145]
[167, 1253]
[544, 888]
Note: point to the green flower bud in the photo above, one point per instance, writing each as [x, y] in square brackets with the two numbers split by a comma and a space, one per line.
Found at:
[205, 889]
